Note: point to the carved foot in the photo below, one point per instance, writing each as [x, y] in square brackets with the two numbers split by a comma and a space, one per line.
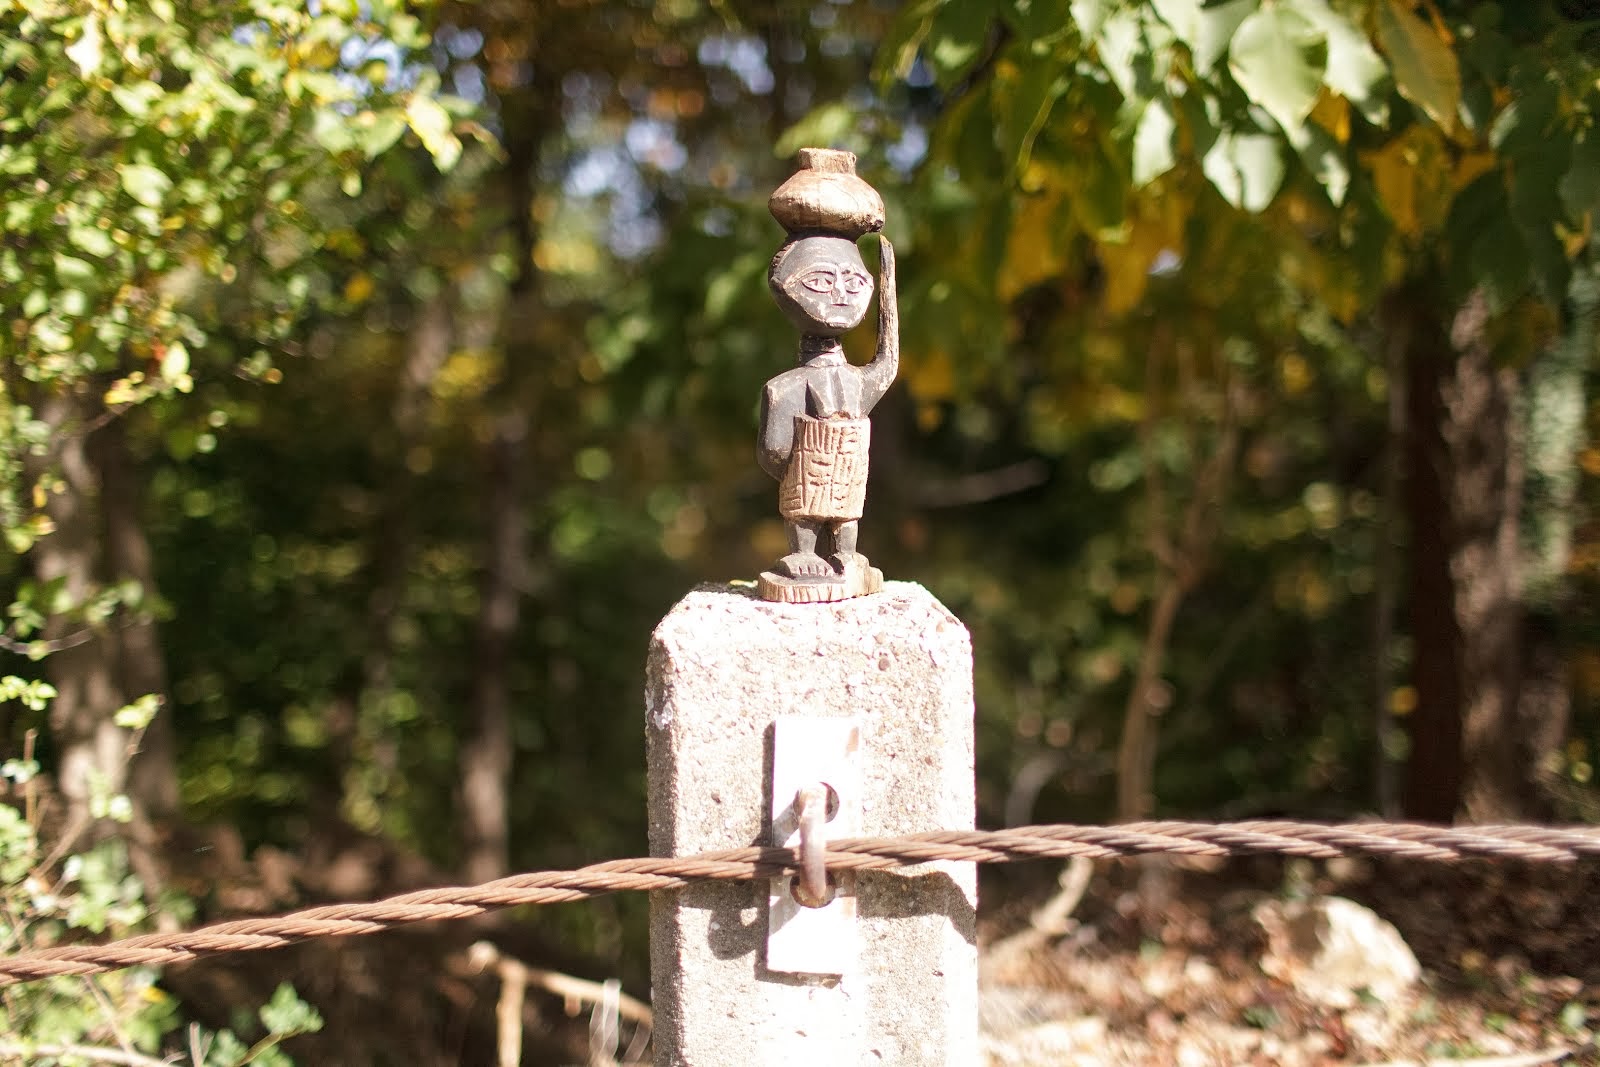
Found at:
[804, 565]
[856, 578]
[841, 562]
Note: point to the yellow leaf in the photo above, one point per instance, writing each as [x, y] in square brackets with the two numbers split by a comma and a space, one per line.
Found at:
[1127, 272]
[1332, 113]
[1033, 251]
[1472, 166]
[359, 288]
[1413, 179]
[932, 377]
[1154, 226]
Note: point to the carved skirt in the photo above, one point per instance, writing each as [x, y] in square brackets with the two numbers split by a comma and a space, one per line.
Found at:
[826, 480]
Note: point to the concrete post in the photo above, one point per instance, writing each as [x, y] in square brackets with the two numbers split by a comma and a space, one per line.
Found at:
[723, 667]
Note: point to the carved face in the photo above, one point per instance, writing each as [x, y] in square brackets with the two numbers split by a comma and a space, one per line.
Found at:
[821, 284]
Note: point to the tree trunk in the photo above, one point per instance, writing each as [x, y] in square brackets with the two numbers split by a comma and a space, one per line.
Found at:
[1464, 495]
[1433, 772]
[91, 750]
[395, 530]
[153, 775]
[1551, 420]
[486, 752]
[1485, 563]
[485, 760]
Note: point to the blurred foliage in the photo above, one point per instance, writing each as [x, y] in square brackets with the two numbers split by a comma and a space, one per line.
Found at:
[1142, 443]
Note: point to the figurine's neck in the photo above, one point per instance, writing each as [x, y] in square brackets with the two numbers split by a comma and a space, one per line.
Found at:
[816, 351]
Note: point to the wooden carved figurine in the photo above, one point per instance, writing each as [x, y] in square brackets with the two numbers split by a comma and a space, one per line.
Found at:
[814, 428]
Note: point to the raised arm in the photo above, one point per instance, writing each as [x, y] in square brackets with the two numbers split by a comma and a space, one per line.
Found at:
[878, 375]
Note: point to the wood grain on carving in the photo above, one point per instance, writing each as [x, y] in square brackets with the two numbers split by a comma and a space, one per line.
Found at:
[827, 474]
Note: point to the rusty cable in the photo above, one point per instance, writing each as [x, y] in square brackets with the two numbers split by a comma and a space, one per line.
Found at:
[1534, 844]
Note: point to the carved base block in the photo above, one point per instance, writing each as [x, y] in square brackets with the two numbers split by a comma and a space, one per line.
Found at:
[859, 579]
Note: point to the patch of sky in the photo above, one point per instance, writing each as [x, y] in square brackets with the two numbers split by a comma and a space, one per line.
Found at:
[460, 43]
[909, 150]
[745, 56]
[1166, 262]
[717, 222]
[651, 141]
[835, 45]
[596, 171]
[467, 82]
[583, 94]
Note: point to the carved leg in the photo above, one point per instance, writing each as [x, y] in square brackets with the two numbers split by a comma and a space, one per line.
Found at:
[844, 543]
[802, 560]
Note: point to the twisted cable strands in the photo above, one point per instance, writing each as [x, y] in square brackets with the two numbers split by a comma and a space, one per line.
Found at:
[1536, 844]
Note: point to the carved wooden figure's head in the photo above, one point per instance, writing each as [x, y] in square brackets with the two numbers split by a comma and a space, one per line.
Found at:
[822, 284]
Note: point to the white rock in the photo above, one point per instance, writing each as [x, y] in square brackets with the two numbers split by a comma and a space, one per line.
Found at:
[1330, 948]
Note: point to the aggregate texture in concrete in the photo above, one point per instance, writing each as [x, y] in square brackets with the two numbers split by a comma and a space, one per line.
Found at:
[723, 665]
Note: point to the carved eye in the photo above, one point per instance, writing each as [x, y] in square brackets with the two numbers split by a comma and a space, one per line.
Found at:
[819, 281]
[855, 283]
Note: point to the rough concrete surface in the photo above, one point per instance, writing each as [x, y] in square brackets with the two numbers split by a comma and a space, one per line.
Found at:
[722, 666]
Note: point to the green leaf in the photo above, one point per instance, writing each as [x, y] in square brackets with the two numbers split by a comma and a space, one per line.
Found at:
[286, 1014]
[1580, 186]
[1040, 23]
[136, 99]
[1247, 169]
[379, 134]
[88, 51]
[957, 38]
[1027, 104]
[1324, 158]
[1278, 58]
[144, 183]
[1204, 30]
[175, 361]
[1488, 246]
[72, 271]
[434, 128]
[93, 240]
[1425, 70]
[1152, 144]
[1355, 70]
[898, 50]
[1091, 15]
[1123, 51]
[1218, 24]
[826, 126]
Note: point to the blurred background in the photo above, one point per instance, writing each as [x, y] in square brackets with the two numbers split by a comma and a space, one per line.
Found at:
[377, 375]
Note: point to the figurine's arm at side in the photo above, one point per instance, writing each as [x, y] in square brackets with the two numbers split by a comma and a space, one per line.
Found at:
[880, 373]
[777, 431]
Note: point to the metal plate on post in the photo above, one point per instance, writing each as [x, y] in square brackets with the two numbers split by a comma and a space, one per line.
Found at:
[805, 752]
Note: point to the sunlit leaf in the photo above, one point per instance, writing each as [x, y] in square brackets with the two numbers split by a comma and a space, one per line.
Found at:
[1278, 58]
[1091, 15]
[957, 38]
[1247, 169]
[146, 184]
[1425, 69]
[827, 126]
[433, 127]
[1324, 158]
[1354, 70]
[88, 51]
[1204, 29]
[1152, 144]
